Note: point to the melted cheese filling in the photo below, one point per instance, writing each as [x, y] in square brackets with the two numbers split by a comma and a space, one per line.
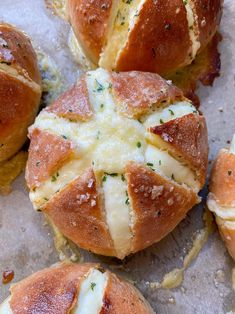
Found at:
[193, 31]
[177, 110]
[5, 307]
[161, 162]
[117, 213]
[63, 177]
[127, 13]
[90, 299]
[227, 213]
[107, 142]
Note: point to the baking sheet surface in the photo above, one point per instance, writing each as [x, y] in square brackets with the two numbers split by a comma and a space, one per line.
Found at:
[26, 242]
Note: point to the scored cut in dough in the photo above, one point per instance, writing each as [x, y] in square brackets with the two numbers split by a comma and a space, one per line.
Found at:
[107, 142]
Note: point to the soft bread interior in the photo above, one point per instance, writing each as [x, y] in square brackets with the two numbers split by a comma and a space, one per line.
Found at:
[117, 213]
[5, 307]
[90, 299]
[161, 162]
[127, 13]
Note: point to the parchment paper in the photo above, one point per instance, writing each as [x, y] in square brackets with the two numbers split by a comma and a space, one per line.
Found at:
[26, 242]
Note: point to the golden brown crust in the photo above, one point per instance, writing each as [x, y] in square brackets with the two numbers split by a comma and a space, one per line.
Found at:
[47, 154]
[158, 203]
[208, 13]
[56, 290]
[122, 297]
[222, 183]
[16, 50]
[90, 20]
[77, 212]
[73, 104]
[18, 107]
[187, 138]
[138, 92]
[160, 39]
[53, 290]
[20, 89]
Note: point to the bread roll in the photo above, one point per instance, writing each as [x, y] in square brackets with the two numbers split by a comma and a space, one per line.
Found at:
[77, 289]
[221, 199]
[156, 36]
[117, 161]
[20, 89]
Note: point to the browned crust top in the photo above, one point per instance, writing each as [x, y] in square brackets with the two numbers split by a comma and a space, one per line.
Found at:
[138, 92]
[160, 39]
[222, 183]
[77, 212]
[188, 139]
[122, 297]
[74, 104]
[47, 153]
[90, 20]
[19, 103]
[16, 50]
[56, 290]
[53, 290]
[159, 204]
[18, 107]
[208, 13]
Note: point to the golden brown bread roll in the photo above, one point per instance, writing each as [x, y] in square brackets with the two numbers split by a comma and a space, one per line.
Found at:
[156, 36]
[221, 199]
[117, 161]
[20, 89]
[77, 289]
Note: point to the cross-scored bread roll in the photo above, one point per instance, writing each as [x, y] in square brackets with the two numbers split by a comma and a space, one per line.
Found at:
[117, 161]
[75, 289]
[146, 35]
[221, 199]
[20, 89]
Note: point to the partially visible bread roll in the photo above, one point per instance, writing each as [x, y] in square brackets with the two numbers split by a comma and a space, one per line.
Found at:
[221, 199]
[20, 89]
[117, 161]
[156, 36]
[76, 289]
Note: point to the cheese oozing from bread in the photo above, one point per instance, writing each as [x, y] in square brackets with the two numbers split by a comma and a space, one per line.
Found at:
[161, 162]
[126, 15]
[107, 142]
[90, 299]
[117, 213]
[177, 110]
[193, 31]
